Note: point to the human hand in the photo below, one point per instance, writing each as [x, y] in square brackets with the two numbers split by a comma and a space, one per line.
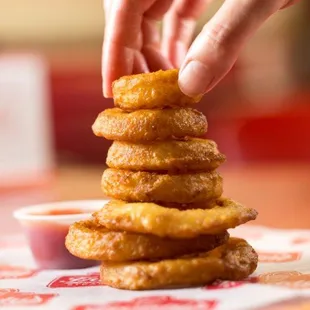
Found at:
[132, 40]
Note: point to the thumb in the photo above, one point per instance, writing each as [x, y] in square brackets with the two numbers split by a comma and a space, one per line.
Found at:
[216, 48]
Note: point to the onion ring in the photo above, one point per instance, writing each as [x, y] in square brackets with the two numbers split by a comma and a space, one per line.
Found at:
[89, 240]
[154, 90]
[175, 156]
[233, 261]
[150, 218]
[149, 186]
[149, 125]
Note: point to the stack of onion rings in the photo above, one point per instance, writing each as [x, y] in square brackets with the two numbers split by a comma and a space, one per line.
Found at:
[167, 223]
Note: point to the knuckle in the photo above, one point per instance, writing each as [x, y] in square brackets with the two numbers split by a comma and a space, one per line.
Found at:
[218, 36]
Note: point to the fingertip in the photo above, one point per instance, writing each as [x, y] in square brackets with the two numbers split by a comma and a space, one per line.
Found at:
[195, 78]
[107, 91]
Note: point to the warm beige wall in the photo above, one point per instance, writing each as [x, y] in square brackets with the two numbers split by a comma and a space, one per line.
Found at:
[282, 22]
[40, 21]
[48, 21]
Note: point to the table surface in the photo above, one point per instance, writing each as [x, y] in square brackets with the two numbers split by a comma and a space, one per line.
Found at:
[280, 192]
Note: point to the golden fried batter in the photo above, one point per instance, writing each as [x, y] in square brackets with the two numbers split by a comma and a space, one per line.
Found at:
[175, 156]
[150, 218]
[149, 125]
[150, 186]
[209, 204]
[233, 261]
[150, 91]
[89, 240]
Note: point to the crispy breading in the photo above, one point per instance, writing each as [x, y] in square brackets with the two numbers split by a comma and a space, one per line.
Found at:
[187, 155]
[233, 261]
[150, 218]
[89, 240]
[151, 187]
[154, 90]
[149, 125]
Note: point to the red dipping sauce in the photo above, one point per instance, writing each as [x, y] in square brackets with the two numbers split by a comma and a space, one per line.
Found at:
[61, 212]
[46, 227]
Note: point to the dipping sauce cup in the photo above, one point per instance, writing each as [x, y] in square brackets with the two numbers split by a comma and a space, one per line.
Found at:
[46, 227]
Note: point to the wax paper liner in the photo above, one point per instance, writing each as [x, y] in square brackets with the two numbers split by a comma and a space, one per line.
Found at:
[282, 281]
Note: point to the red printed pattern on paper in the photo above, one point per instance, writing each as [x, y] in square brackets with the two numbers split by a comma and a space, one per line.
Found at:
[15, 272]
[154, 303]
[301, 240]
[4, 291]
[291, 279]
[75, 281]
[278, 257]
[12, 297]
[219, 284]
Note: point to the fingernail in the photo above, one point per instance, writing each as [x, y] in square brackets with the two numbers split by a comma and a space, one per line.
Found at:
[107, 91]
[195, 78]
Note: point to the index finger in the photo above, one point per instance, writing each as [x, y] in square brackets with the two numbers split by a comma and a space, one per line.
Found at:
[179, 26]
[216, 48]
[121, 39]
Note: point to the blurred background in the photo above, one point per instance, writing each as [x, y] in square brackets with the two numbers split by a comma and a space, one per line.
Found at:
[50, 94]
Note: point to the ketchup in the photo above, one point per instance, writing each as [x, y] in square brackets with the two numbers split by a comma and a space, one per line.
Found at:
[61, 212]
